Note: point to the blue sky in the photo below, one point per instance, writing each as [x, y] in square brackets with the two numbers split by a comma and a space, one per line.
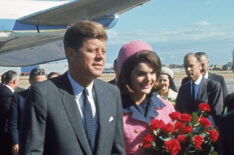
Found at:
[176, 27]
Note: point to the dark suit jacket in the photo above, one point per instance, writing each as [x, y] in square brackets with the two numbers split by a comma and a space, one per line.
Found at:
[226, 134]
[214, 77]
[53, 125]
[210, 92]
[19, 89]
[6, 97]
[17, 115]
[113, 81]
[229, 102]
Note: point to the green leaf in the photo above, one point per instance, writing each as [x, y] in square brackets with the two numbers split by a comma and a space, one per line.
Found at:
[153, 144]
[194, 118]
[214, 153]
[155, 132]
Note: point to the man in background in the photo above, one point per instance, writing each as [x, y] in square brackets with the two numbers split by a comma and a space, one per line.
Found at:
[202, 57]
[53, 75]
[226, 126]
[116, 69]
[10, 81]
[198, 90]
[17, 110]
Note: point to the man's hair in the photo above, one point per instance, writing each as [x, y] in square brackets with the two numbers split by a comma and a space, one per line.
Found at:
[145, 56]
[200, 54]
[78, 33]
[52, 74]
[191, 54]
[115, 64]
[35, 72]
[8, 76]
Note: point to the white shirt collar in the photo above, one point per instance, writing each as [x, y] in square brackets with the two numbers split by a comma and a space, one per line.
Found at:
[12, 90]
[198, 81]
[77, 88]
[206, 75]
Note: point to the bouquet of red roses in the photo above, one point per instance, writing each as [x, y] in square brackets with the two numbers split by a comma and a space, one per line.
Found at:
[189, 134]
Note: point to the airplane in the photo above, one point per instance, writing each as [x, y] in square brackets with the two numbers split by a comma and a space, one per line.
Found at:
[31, 31]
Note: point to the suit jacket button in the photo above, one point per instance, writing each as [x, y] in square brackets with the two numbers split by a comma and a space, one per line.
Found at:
[137, 131]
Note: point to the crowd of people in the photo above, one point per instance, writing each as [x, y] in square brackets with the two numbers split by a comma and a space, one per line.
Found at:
[77, 114]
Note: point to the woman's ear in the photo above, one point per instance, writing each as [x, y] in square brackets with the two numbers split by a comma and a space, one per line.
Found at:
[129, 89]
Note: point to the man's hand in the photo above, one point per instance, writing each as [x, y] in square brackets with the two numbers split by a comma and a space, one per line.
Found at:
[15, 149]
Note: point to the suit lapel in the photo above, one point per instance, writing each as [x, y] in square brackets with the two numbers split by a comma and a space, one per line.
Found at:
[103, 110]
[202, 91]
[73, 114]
[211, 76]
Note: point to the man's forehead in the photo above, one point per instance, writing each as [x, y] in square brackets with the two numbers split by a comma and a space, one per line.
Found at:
[203, 58]
[190, 59]
[95, 42]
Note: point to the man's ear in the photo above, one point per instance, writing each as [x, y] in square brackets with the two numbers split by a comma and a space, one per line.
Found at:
[14, 81]
[69, 53]
[208, 62]
[200, 66]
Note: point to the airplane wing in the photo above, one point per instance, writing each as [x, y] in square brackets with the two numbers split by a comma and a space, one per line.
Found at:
[70, 12]
[36, 38]
[39, 54]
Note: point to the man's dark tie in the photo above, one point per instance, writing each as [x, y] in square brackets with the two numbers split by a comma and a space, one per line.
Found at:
[193, 92]
[89, 121]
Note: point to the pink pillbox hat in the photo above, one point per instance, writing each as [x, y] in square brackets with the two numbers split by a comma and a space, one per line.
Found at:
[130, 49]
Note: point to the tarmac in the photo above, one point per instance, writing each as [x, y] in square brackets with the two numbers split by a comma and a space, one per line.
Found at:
[228, 77]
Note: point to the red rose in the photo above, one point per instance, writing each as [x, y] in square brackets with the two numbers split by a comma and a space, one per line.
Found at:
[198, 141]
[185, 118]
[179, 125]
[148, 140]
[172, 146]
[205, 122]
[204, 107]
[156, 124]
[175, 115]
[213, 135]
[167, 128]
[187, 129]
[181, 138]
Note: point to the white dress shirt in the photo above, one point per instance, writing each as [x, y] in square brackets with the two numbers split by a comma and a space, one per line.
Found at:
[77, 90]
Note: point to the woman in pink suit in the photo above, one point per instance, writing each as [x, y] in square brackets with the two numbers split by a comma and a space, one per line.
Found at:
[139, 71]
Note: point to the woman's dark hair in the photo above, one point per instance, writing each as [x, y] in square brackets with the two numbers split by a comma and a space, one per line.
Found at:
[149, 57]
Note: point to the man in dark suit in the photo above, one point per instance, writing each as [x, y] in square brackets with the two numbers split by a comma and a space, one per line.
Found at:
[19, 89]
[11, 80]
[17, 110]
[198, 90]
[116, 69]
[202, 57]
[226, 127]
[75, 113]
